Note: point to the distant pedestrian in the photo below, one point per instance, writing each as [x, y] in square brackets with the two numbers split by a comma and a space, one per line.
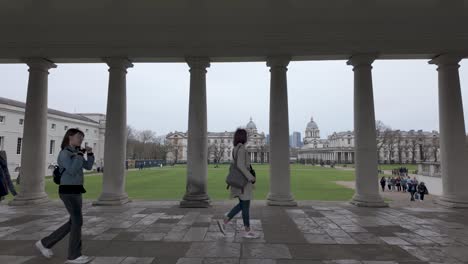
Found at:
[422, 190]
[383, 181]
[412, 185]
[393, 182]
[6, 185]
[404, 184]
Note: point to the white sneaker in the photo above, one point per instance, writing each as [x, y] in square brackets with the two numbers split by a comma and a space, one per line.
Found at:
[47, 253]
[250, 235]
[80, 260]
[222, 227]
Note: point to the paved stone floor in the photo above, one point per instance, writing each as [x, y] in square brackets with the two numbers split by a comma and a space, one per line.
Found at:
[314, 232]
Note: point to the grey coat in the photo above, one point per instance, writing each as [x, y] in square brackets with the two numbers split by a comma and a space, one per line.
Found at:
[243, 163]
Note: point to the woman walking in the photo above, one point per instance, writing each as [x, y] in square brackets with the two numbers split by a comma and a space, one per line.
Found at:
[382, 183]
[245, 195]
[5, 179]
[71, 163]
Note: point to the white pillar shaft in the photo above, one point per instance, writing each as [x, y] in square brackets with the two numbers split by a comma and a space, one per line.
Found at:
[197, 144]
[452, 131]
[367, 192]
[113, 184]
[280, 186]
[34, 142]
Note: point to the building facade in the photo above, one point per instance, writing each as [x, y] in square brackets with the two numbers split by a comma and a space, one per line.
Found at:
[220, 146]
[393, 146]
[58, 122]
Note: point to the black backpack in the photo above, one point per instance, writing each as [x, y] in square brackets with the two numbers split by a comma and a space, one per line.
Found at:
[57, 174]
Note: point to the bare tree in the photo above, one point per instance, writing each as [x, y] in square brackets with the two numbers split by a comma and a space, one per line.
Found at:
[383, 132]
[175, 148]
[131, 141]
[391, 143]
[412, 145]
[217, 150]
[147, 136]
[426, 148]
[400, 145]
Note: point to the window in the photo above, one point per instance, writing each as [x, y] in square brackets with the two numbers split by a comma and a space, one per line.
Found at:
[52, 147]
[2, 119]
[53, 126]
[94, 146]
[2, 141]
[21, 121]
[95, 131]
[65, 128]
[349, 141]
[86, 144]
[18, 146]
[87, 130]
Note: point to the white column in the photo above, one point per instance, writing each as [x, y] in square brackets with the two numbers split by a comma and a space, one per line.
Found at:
[454, 166]
[34, 149]
[280, 186]
[367, 192]
[197, 149]
[115, 143]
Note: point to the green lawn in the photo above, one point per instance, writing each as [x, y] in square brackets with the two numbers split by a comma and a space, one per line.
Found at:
[168, 183]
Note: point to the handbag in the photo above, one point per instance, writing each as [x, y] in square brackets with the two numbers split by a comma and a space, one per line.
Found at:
[235, 177]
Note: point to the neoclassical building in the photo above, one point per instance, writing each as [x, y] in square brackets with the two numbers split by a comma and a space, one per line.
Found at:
[338, 147]
[393, 146]
[220, 145]
[122, 35]
[58, 122]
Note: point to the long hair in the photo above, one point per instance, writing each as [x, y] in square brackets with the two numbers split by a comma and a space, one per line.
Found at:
[240, 136]
[70, 132]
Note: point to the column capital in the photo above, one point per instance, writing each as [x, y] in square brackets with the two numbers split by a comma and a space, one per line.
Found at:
[278, 61]
[363, 59]
[118, 63]
[447, 59]
[198, 62]
[40, 64]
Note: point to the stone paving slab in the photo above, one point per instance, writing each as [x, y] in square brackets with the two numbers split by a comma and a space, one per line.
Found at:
[146, 232]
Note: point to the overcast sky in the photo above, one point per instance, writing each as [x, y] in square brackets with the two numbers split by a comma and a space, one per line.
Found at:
[405, 93]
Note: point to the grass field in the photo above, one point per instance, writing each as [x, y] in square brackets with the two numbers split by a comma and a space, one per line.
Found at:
[168, 183]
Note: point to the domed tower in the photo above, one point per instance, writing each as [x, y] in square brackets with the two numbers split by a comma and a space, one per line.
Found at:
[251, 127]
[312, 133]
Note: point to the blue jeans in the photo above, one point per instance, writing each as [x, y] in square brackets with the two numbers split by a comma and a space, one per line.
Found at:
[243, 206]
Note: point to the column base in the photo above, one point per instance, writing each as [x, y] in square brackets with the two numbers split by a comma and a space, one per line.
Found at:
[21, 200]
[368, 201]
[111, 200]
[276, 200]
[195, 201]
[452, 202]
